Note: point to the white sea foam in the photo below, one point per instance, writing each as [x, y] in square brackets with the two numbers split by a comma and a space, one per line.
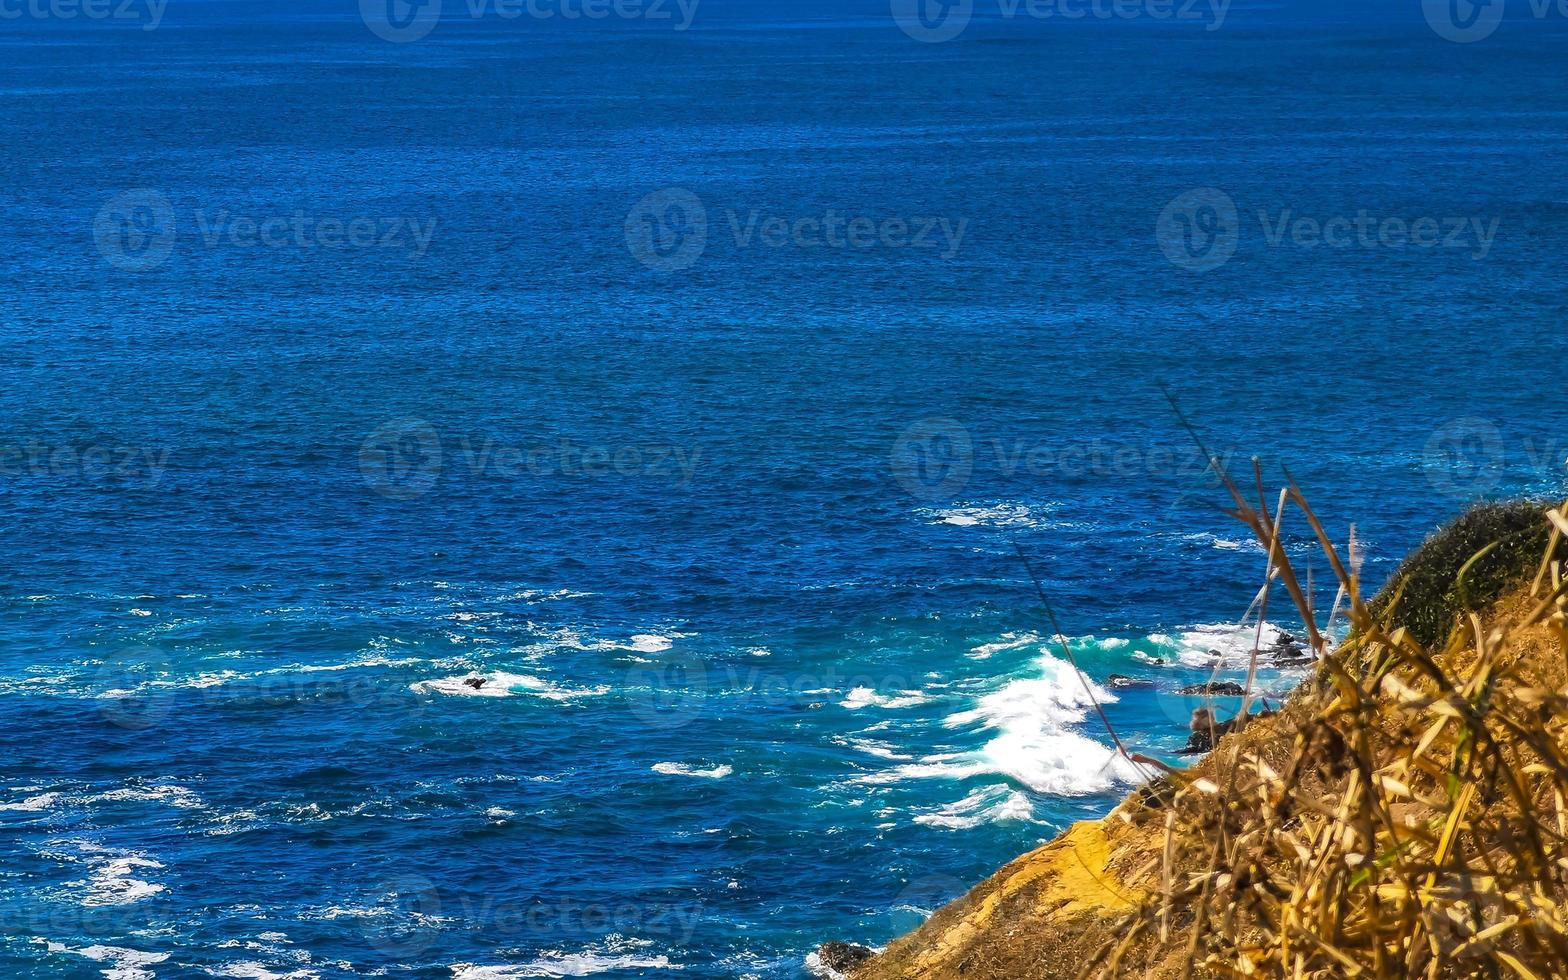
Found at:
[114, 880]
[33, 804]
[1008, 641]
[865, 697]
[821, 970]
[993, 804]
[124, 964]
[881, 750]
[651, 643]
[681, 769]
[503, 685]
[1227, 646]
[556, 964]
[259, 971]
[1036, 743]
[1224, 544]
[175, 796]
[1005, 514]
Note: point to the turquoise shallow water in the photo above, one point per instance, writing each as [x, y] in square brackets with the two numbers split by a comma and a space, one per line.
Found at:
[340, 372]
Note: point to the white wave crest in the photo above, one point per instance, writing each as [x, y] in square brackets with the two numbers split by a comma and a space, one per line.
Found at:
[682, 769]
[124, 964]
[1226, 646]
[865, 697]
[1005, 514]
[503, 685]
[555, 964]
[993, 804]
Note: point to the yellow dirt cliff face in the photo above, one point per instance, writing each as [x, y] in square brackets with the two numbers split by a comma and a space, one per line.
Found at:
[1056, 893]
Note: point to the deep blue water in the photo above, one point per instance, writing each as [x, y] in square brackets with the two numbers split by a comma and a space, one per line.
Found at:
[338, 371]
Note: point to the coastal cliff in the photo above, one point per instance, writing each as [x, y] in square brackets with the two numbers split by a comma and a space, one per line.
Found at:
[1402, 815]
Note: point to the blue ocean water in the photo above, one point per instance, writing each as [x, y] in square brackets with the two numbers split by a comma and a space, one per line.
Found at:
[692, 385]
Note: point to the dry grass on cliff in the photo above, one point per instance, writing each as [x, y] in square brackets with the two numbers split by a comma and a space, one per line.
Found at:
[1418, 824]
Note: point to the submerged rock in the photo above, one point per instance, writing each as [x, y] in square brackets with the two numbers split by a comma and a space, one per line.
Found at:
[1122, 680]
[844, 958]
[1223, 689]
[1206, 729]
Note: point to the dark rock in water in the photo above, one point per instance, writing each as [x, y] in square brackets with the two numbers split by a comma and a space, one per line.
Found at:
[1206, 729]
[476, 682]
[843, 957]
[1289, 651]
[1122, 680]
[1222, 689]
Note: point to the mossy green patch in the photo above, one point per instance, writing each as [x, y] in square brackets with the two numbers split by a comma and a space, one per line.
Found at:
[1463, 567]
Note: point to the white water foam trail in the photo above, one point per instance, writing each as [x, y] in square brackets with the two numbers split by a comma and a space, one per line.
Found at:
[993, 804]
[865, 697]
[681, 769]
[124, 964]
[1036, 742]
[1227, 646]
[1006, 514]
[562, 965]
[503, 685]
